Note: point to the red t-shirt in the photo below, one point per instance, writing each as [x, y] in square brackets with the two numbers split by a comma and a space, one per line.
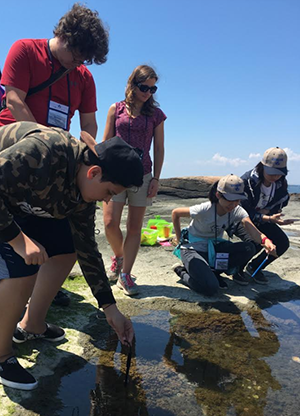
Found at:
[28, 64]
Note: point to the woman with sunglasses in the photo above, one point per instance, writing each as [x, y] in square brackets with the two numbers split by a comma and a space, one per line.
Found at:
[209, 221]
[138, 121]
[266, 187]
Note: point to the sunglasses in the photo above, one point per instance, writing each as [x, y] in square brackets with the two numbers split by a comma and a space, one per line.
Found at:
[146, 88]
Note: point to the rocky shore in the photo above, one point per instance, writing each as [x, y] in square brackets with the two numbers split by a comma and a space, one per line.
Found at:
[160, 289]
[156, 279]
[193, 187]
[187, 187]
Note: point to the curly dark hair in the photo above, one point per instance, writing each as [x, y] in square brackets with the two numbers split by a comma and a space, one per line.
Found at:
[139, 75]
[84, 34]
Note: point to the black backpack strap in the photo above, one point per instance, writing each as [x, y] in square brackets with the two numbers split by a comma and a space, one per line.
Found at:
[50, 81]
[2, 104]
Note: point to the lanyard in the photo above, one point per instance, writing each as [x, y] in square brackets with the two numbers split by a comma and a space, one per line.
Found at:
[216, 235]
[50, 87]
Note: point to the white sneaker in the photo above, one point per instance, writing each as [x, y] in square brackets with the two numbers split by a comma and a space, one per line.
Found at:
[115, 269]
[126, 284]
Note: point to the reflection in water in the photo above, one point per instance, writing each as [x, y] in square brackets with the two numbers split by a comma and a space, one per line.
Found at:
[224, 361]
[111, 396]
[209, 363]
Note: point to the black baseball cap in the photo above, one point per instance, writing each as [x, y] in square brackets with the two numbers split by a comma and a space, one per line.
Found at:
[119, 161]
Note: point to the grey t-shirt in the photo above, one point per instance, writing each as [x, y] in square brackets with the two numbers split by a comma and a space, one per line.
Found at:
[203, 223]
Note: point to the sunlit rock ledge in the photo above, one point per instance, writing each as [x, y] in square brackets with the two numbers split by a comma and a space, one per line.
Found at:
[187, 186]
[193, 187]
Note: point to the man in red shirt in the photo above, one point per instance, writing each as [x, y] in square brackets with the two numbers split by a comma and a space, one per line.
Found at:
[29, 63]
[79, 38]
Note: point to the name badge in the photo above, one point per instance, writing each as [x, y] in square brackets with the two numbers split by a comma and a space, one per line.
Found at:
[58, 115]
[222, 260]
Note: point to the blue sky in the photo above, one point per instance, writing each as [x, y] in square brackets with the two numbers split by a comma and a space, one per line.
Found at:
[229, 73]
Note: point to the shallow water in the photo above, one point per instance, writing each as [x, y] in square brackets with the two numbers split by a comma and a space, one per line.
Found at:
[212, 363]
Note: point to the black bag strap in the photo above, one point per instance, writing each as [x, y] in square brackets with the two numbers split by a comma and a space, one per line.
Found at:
[54, 77]
[50, 81]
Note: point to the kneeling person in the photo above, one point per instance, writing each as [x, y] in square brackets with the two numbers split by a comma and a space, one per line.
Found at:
[209, 220]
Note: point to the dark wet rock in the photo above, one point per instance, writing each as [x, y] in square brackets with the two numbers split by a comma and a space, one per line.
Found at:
[187, 187]
[194, 187]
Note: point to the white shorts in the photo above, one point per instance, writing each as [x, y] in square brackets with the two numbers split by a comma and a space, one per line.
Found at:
[136, 199]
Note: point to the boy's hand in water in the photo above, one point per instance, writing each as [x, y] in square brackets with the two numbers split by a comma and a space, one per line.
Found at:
[119, 323]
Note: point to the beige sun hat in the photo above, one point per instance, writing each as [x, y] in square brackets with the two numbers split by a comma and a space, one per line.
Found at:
[275, 161]
[232, 187]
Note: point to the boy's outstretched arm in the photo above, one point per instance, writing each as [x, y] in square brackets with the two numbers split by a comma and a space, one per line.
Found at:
[82, 224]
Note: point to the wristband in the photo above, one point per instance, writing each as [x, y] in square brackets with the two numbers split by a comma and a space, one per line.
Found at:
[156, 179]
[263, 240]
[107, 306]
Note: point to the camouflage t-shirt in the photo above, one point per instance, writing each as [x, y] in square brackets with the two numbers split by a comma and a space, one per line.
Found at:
[38, 167]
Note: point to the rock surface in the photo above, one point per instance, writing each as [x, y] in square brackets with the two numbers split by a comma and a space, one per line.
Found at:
[160, 289]
[187, 187]
[156, 279]
[193, 187]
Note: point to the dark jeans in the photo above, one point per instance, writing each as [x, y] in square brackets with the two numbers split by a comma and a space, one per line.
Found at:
[272, 231]
[200, 277]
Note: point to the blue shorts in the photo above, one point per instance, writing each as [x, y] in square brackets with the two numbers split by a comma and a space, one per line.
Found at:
[55, 235]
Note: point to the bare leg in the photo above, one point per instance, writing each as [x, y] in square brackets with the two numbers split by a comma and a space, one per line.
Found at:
[14, 294]
[50, 277]
[112, 213]
[133, 236]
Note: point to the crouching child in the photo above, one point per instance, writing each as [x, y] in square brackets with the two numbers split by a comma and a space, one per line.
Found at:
[45, 175]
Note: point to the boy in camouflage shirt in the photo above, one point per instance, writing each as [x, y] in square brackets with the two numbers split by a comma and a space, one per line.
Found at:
[47, 174]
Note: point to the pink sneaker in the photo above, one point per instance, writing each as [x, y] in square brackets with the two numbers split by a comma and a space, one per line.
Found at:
[126, 283]
[115, 269]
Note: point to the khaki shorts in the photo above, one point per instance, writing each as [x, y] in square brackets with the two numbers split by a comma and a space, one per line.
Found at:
[136, 199]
